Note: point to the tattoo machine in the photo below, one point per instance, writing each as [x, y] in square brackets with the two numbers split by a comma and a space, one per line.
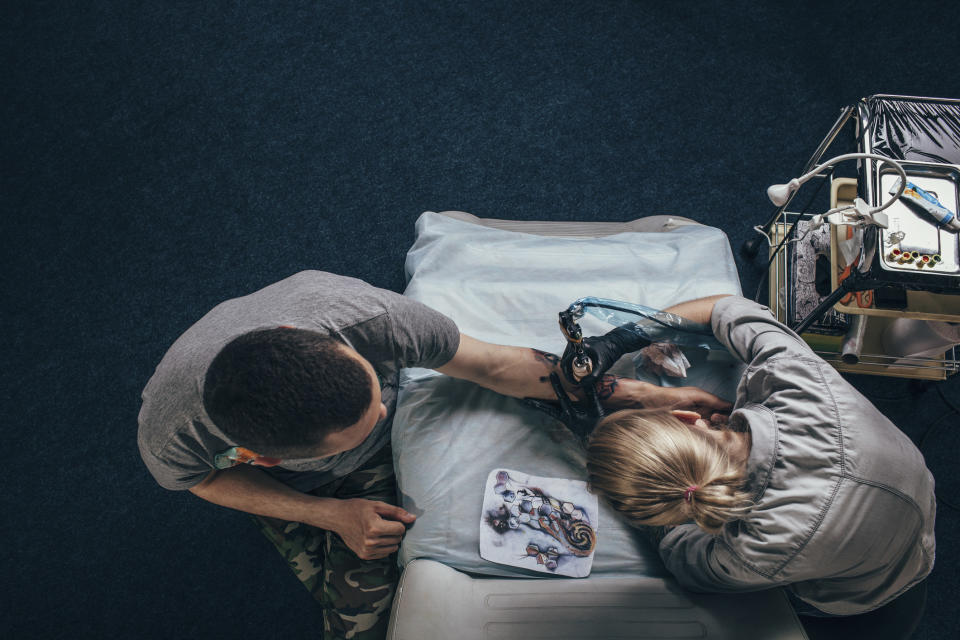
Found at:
[582, 365]
[635, 327]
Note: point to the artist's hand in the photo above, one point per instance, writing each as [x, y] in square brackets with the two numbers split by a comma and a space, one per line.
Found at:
[579, 417]
[370, 528]
[603, 351]
[688, 399]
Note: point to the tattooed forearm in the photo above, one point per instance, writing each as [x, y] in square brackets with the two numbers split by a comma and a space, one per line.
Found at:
[606, 386]
[548, 359]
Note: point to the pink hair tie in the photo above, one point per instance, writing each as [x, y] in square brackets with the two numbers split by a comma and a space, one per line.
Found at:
[688, 493]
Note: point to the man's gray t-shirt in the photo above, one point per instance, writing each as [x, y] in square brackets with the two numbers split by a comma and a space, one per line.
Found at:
[180, 444]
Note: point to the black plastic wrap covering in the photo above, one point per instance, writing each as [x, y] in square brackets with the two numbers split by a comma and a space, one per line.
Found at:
[905, 128]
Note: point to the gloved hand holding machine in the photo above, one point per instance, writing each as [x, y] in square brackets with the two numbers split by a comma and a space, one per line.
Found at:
[638, 328]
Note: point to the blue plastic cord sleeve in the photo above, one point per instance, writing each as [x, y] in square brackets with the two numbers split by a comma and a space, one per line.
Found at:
[648, 323]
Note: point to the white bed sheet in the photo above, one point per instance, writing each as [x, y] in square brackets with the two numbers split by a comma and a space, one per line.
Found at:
[507, 287]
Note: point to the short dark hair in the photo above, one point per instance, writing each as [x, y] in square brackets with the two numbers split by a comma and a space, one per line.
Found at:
[279, 390]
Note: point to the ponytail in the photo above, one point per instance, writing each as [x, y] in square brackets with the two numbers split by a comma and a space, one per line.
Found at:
[657, 471]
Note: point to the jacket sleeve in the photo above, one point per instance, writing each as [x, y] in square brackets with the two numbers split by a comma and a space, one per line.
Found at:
[752, 334]
[703, 562]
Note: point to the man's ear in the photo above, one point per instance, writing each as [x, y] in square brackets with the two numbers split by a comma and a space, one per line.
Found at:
[383, 412]
[690, 417]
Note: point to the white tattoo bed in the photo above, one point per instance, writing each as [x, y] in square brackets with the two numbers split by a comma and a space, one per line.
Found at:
[505, 282]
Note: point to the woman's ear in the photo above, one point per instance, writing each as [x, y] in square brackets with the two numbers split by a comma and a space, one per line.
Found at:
[690, 417]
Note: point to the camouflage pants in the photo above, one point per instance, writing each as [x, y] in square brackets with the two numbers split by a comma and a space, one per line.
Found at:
[355, 594]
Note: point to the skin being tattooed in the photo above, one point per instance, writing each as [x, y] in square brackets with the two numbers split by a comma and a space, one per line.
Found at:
[548, 359]
[607, 386]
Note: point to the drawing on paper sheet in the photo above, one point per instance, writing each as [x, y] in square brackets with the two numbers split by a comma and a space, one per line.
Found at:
[542, 524]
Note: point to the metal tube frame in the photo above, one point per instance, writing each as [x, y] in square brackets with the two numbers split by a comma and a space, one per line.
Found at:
[950, 363]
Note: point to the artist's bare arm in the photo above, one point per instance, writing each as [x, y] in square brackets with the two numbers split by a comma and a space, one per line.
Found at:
[698, 310]
[372, 529]
[522, 372]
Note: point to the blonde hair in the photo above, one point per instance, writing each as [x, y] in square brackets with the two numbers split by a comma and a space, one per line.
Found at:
[658, 471]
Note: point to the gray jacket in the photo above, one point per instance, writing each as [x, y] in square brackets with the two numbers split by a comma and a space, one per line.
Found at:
[843, 504]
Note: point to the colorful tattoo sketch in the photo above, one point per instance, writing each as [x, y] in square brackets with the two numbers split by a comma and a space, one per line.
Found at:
[515, 505]
[547, 557]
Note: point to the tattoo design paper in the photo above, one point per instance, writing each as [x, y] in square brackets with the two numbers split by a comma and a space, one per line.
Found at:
[542, 524]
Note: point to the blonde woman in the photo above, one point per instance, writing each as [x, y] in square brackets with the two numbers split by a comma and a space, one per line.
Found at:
[807, 486]
[664, 468]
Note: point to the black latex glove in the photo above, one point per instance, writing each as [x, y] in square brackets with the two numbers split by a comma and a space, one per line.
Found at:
[603, 352]
[579, 417]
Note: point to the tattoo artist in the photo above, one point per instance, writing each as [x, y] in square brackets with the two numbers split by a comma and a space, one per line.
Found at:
[279, 403]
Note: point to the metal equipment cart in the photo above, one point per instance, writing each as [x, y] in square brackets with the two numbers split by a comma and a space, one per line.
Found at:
[864, 283]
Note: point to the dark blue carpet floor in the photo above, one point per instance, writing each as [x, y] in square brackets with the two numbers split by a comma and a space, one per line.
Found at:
[159, 157]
